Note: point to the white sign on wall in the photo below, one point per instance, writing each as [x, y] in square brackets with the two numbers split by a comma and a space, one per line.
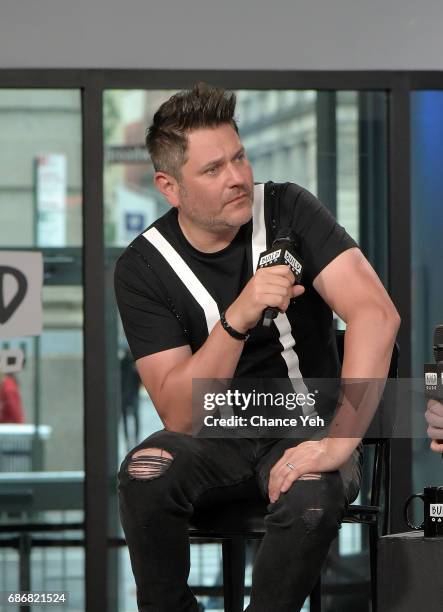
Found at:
[51, 200]
[21, 282]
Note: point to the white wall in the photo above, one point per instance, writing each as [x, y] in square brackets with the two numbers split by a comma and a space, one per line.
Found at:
[224, 34]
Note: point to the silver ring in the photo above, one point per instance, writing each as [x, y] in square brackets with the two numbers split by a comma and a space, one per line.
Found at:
[291, 466]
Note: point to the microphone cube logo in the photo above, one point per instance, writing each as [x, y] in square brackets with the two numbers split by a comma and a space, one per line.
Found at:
[431, 379]
[269, 258]
[290, 259]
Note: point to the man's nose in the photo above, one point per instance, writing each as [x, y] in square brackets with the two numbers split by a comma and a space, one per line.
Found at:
[235, 175]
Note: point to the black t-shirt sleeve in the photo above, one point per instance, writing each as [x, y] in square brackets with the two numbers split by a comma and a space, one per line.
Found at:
[321, 237]
[149, 324]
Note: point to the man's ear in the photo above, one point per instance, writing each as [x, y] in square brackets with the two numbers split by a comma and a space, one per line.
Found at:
[168, 186]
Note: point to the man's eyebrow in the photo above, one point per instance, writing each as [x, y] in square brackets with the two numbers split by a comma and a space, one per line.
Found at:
[218, 161]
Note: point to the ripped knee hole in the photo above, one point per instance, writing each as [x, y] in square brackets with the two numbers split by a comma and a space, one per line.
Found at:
[149, 463]
[311, 476]
[312, 517]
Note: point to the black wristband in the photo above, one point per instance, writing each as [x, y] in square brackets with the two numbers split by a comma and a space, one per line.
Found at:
[231, 331]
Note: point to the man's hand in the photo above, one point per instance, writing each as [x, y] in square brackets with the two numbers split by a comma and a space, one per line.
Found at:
[434, 417]
[308, 457]
[273, 286]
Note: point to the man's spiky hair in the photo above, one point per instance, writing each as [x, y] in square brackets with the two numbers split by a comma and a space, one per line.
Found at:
[203, 106]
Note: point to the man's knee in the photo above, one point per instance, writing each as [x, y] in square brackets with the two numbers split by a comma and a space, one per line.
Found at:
[148, 463]
[315, 500]
[324, 501]
[152, 458]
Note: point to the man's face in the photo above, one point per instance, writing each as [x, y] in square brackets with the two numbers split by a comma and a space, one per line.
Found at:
[217, 186]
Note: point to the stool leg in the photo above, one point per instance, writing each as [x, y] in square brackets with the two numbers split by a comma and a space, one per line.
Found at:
[373, 538]
[233, 552]
[315, 597]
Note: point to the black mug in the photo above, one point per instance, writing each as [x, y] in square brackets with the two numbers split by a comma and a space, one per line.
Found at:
[432, 524]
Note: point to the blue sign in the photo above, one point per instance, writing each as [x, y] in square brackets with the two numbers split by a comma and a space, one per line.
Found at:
[134, 222]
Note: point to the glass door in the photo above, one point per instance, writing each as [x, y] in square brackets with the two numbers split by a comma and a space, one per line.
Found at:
[41, 342]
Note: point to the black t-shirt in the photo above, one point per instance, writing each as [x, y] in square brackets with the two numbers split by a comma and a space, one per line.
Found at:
[169, 294]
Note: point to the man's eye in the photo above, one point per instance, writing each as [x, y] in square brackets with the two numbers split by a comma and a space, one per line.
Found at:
[211, 170]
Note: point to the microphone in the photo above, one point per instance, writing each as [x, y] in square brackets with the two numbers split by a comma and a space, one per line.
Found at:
[434, 371]
[283, 251]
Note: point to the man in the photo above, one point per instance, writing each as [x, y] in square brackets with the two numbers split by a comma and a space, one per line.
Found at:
[188, 298]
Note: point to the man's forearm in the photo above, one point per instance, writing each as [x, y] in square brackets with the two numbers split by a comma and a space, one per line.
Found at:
[369, 340]
[216, 358]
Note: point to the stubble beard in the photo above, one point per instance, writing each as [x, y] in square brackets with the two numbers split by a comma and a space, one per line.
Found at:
[210, 223]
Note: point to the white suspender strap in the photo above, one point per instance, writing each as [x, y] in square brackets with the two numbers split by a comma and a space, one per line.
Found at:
[186, 275]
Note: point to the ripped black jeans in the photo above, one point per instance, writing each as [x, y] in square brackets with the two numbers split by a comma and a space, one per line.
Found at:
[157, 496]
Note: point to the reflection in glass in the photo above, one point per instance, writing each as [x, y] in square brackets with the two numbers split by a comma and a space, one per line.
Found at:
[40, 169]
[40, 209]
[41, 459]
